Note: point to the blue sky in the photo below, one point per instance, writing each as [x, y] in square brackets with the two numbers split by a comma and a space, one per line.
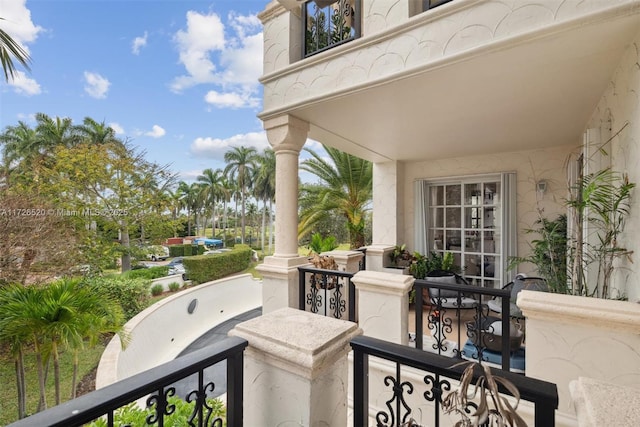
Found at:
[177, 78]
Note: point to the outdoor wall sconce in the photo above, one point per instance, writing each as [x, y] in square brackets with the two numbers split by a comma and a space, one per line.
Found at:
[541, 186]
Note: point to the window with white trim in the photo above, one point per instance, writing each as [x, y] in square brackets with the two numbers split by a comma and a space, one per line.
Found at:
[473, 218]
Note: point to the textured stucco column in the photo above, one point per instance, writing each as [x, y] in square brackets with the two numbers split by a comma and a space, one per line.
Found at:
[568, 337]
[287, 136]
[295, 369]
[388, 204]
[383, 305]
[378, 256]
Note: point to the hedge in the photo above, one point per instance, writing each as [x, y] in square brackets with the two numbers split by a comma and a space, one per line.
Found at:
[176, 250]
[206, 268]
[132, 294]
[185, 250]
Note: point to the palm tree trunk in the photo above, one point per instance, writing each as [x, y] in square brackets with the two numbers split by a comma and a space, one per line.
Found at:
[42, 403]
[264, 220]
[74, 378]
[126, 244]
[20, 384]
[56, 369]
[270, 226]
[242, 218]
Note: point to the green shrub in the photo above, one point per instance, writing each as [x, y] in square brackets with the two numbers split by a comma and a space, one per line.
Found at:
[176, 250]
[206, 268]
[132, 294]
[188, 249]
[174, 286]
[147, 273]
[157, 289]
[133, 415]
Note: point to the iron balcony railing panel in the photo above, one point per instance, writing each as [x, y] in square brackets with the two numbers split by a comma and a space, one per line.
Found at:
[461, 300]
[157, 384]
[327, 292]
[440, 370]
[329, 23]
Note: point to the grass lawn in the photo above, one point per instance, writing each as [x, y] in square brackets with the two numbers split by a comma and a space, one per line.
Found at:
[8, 393]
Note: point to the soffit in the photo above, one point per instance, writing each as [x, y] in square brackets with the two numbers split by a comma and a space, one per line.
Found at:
[538, 93]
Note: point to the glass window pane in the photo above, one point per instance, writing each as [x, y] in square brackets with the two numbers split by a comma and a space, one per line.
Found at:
[490, 266]
[490, 243]
[438, 240]
[436, 217]
[472, 194]
[436, 195]
[490, 217]
[453, 196]
[491, 193]
[453, 219]
[453, 240]
[473, 266]
[473, 217]
[472, 241]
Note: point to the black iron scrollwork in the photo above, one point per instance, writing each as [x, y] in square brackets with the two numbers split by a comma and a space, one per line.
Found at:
[395, 417]
[314, 299]
[201, 410]
[160, 403]
[440, 325]
[336, 303]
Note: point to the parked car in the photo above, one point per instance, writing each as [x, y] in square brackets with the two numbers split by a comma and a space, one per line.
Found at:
[157, 253]
[177, 267]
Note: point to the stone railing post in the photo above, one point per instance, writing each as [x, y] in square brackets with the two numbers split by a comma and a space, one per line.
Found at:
[348, 261]
[383, 305]
[378, 257]
[296, 369]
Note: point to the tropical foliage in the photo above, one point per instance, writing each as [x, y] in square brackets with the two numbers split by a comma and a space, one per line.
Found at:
[10, 50]
[346, 188]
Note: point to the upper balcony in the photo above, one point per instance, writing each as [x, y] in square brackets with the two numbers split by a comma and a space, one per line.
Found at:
[443, 69]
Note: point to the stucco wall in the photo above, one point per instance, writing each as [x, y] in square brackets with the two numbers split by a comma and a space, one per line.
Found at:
[621, 103]
[530, 166]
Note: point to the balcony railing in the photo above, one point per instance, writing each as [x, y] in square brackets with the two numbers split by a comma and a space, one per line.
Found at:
[440, 372]
[329, 23]
[327, 292]
[157, 384]
[460, 323]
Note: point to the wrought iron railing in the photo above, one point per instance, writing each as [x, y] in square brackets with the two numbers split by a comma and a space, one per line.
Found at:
[328, 23]
[460, 323]
[327, 292]
[157, 385]
[437, 381]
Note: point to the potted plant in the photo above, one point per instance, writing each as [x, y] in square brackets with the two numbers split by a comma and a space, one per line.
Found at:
[401, 257]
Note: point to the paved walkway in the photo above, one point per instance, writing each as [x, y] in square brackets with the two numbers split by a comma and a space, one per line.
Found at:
[218, 372]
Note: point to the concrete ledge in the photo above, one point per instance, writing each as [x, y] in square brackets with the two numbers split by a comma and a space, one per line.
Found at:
[599, 403]
[623, 316]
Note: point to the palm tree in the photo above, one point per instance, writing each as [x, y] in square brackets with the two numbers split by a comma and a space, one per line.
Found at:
[227, 188]
[346, 187]
[265, 189]
[16, 141]
[93, 132]
[211, 190]
[240, 162]
[10, 48]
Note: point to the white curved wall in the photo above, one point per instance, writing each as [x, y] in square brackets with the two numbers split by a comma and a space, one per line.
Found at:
[159, 333]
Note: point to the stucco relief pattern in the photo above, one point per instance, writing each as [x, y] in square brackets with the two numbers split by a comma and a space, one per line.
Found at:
[565, 352]
[470, 24]
[621, 103]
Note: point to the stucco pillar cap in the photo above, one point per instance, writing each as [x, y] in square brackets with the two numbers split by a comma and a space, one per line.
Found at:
[374, 281]
[303, 343]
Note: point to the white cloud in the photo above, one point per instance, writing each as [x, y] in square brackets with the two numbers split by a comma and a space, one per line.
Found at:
[96, 85]
[24, 85]
[156, 132]
[228, 57]
[138, 43]
[216, 147]
[119, 130]
[17, 23]
[230, 99]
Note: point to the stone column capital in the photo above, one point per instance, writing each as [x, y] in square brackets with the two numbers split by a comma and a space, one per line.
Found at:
[286, 133]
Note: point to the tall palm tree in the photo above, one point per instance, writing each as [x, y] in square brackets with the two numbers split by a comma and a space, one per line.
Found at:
[211, 190]
[265, 189]
[16, 141]
[92, 132]
[346, 187]
[55, 132]
[227, 187]
[240, 162]
[10, 48]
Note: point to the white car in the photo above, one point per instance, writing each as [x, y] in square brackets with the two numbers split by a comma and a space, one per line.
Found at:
[157, 253]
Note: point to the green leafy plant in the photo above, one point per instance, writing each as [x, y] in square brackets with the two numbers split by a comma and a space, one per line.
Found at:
[400, 256]
[174, 286]
[548, 253]
[157, 290]
[134, 415]
[602, 200]
[422, 265]
[132, 295]
[319, 244]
